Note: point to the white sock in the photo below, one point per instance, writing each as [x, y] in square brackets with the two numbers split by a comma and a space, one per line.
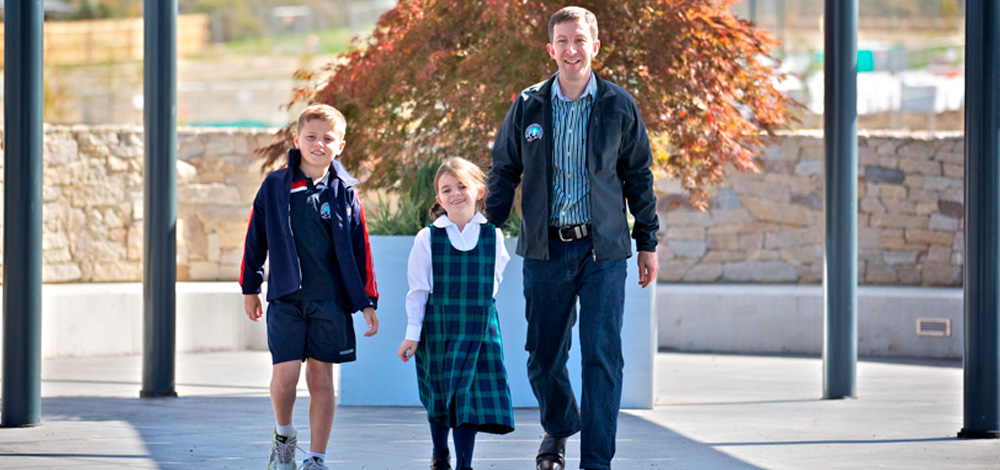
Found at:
[322, 457]
[287, 430]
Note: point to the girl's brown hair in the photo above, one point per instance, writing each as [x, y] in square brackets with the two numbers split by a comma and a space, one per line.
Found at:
[465, 172]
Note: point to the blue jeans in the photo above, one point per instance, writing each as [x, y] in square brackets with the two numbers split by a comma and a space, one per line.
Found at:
[551, 289]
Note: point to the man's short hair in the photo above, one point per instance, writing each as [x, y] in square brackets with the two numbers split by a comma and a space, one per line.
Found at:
[327, 113]
[568, 14]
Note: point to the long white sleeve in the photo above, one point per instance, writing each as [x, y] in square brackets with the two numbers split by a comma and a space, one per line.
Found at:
[502, 258]
[420, 275]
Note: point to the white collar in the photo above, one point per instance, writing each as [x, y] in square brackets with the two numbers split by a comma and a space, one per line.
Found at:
[444, 221]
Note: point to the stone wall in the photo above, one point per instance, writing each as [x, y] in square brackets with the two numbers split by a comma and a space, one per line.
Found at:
[768, 227]
[93, 202]
[760, 228]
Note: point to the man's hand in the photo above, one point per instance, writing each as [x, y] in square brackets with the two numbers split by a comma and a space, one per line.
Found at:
[648, 265]
[407, 349]
[251, 303]
[371, 320]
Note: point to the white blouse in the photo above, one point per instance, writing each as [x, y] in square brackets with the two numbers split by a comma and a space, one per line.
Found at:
[419, 272]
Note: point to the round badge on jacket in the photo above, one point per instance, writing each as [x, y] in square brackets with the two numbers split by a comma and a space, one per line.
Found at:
[533, 132]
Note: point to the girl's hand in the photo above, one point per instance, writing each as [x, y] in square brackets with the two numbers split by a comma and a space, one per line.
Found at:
[407, 349]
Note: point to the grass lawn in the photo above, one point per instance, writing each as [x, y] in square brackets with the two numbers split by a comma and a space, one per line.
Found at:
[327, 42]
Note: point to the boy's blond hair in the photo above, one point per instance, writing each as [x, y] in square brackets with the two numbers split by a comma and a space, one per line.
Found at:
[465, 172]
[326, 113]
[573, 14]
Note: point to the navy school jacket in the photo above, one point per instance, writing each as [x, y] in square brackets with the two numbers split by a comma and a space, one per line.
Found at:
[269, 236]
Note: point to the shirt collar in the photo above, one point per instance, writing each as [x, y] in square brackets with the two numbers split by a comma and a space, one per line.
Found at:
[590, 91]
[300, 175]
[444, 221]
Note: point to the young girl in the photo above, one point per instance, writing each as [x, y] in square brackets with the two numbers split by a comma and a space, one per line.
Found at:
[454, 270]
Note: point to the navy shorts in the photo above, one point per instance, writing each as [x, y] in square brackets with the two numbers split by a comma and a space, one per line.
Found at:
[317, 329]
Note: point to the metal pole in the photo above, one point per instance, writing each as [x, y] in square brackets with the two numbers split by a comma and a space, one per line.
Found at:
[840, 277]
[159, 251]
[22, 238]
[982, 220]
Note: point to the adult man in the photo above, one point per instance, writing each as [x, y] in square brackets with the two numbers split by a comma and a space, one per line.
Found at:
[581, 147]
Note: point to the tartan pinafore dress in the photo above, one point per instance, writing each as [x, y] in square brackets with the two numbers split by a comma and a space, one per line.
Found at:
[459, 359]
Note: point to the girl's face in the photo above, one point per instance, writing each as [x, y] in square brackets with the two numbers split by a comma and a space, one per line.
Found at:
[457, 198]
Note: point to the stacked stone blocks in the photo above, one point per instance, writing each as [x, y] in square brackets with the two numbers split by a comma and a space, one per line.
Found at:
[764, 227]
[93, 202]
[768, 227]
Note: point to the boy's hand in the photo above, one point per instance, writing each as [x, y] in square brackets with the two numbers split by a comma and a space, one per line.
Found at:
[251, 303]
[371, 320]
[407, 349]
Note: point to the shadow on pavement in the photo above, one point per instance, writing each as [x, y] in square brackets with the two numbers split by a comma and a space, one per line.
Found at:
[233, 432]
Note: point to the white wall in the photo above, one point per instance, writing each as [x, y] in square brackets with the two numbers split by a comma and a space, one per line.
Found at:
[105, 319]
[378, 377]
[754, 318]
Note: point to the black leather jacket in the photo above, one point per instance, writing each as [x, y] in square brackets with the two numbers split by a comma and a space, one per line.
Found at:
[618, 160]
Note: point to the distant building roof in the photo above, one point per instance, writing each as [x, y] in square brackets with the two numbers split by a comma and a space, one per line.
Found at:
[54, 6]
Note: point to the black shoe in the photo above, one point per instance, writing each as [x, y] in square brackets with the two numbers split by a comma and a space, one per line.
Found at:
[442, 463]
[551, 453]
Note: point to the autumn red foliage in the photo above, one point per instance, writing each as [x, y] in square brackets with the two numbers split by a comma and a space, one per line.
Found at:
[436, 78]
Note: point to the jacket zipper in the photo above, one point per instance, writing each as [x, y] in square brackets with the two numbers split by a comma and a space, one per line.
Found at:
[298, 263]
[590, 132]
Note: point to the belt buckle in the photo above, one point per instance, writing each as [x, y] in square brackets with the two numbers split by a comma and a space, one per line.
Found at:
[561, 237]
[576, 232]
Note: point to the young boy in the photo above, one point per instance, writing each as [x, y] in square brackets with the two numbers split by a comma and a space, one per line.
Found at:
[307, 221]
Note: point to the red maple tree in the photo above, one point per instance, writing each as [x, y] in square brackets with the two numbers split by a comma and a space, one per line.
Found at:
[436, 78]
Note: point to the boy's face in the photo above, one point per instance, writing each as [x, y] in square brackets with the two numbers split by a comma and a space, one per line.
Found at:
[319, 145]
[573, 48]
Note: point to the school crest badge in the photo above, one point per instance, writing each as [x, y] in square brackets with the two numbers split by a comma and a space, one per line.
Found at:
[533, 132]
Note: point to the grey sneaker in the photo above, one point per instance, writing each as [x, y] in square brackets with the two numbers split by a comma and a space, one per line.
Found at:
[313, 464]
[282, 452]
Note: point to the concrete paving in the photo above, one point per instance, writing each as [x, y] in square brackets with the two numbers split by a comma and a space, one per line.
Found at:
[711, 412]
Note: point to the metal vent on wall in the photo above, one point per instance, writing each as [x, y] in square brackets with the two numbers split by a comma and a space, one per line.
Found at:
[934, 327]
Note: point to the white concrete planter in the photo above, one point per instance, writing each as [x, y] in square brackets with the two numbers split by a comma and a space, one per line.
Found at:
[380, 378]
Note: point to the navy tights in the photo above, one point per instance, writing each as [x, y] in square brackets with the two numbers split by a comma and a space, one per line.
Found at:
[465, 441]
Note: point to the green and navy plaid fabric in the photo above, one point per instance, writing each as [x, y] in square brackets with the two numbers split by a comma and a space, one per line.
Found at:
[570, 203]
[460, 369]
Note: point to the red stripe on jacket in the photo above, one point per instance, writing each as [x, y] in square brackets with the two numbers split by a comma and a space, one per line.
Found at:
[371, 288]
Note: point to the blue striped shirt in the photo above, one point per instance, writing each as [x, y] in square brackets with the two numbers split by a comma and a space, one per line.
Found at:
[570, 179]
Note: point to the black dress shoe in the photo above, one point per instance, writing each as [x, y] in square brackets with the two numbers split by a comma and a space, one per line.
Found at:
[440, 464]
[551, 453]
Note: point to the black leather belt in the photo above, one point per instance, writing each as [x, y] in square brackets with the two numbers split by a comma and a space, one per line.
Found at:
[570, 233]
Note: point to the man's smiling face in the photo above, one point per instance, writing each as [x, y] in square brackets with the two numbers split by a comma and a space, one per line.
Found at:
[573, 48]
